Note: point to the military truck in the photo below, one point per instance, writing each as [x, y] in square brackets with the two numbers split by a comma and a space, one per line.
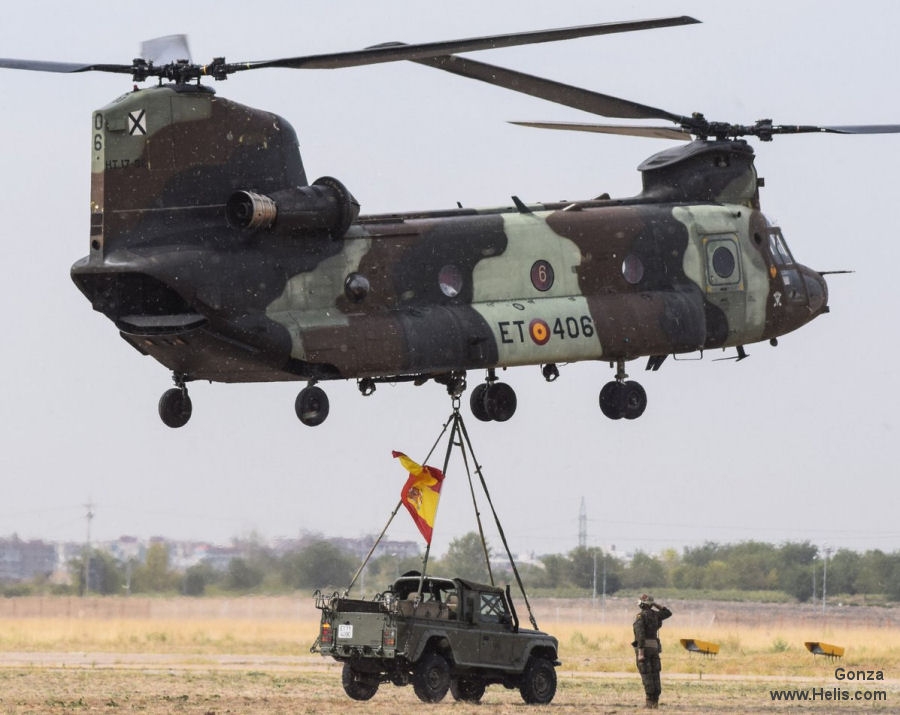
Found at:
[438, 634]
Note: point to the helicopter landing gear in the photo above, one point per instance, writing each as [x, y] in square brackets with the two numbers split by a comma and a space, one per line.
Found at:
[366, 386]
[493, 401]
[622, 397]
[550, 371]
[311, 405]
[175, 404]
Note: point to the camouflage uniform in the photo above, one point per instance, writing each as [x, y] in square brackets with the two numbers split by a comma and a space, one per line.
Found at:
[647, 646]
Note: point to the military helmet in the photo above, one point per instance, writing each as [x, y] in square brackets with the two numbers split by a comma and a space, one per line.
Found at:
[645, 601]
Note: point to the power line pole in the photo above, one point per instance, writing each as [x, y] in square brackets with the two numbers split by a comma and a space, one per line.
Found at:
[87, 549]
[582, 525]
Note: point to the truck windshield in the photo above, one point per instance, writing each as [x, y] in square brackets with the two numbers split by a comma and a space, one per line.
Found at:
[492, 607]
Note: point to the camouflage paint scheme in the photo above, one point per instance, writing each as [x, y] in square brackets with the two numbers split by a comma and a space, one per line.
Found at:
[689, 264]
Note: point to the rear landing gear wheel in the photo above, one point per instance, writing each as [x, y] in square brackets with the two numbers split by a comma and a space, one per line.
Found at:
[175, 407]
[311, 406]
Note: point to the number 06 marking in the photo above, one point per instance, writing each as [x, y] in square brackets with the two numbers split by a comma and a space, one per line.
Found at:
[98, 127]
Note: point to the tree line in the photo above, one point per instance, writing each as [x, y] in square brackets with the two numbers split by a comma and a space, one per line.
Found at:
[796, 570]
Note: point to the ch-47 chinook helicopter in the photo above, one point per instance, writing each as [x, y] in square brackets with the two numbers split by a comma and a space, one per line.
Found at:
[212, 253]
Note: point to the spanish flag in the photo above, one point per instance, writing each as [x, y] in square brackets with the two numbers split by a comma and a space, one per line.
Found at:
[420, 494]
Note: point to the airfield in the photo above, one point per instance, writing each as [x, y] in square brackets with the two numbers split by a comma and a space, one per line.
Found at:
[251, 655]
[796, 443]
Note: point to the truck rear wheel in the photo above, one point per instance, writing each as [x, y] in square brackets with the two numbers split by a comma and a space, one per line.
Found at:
[469, 690]
[359, 686]
[538, 681]
[431, 679]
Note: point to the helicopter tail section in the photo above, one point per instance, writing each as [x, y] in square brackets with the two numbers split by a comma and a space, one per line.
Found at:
[172, 155]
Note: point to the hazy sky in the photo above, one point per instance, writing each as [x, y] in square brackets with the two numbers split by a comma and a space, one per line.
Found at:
[794, 443]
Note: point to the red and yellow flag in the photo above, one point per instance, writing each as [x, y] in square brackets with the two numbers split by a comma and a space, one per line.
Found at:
[420, 494]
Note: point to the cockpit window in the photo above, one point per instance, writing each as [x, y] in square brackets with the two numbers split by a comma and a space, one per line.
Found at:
[779, 250]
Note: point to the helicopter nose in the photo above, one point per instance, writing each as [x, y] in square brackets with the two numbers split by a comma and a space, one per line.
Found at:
[817, 290]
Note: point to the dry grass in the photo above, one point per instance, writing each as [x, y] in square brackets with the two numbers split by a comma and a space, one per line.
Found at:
[200, 637]
[745, 650]
[251, 656]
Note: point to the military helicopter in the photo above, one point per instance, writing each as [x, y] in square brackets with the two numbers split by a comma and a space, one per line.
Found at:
[212, 253]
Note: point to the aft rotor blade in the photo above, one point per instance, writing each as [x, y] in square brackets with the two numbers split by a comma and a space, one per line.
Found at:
[43, 66]
[395, 52]
[634, 131]
[604, 105]
[163, 50]
[849, 129]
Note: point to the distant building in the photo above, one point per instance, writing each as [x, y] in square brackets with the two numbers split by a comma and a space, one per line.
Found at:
[28, 560]
[25, 560]
[359, 547]
[126, 549]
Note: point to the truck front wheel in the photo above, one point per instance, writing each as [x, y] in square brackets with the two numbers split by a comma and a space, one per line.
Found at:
[538, 681]
[359, 686]
[431, 679]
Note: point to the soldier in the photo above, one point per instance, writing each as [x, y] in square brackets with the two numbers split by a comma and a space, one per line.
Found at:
[647, 646]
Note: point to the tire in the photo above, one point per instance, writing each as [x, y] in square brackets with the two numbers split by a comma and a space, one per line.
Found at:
[476, 403]
[311, 406]
[431, 679]
[500, 401]
[359, 686]
[538, 681]
[611, 400]
[175, 408]
[634, 400]
[467, 689]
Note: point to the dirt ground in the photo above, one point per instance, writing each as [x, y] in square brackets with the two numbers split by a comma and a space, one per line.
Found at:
[152, 682]
[248, 687]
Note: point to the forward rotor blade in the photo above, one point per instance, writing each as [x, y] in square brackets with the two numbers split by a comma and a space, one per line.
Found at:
[42, 66]
[603, 105]
[394, 52]
[652, 132]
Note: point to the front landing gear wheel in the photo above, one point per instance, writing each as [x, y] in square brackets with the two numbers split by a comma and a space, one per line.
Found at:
[634, 400]
[493, 402]
[500, 401]
[623, 399]
[311, 406]
[476, 403]
[610, 400]
[175, 407]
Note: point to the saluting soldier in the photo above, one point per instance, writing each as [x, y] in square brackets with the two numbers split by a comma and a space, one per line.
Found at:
[647, 646]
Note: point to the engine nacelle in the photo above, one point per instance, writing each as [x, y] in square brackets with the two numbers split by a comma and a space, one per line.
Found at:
[326, 205]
